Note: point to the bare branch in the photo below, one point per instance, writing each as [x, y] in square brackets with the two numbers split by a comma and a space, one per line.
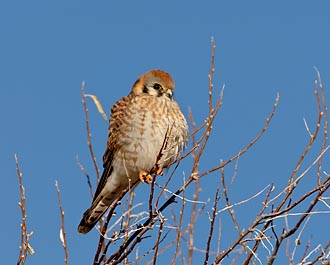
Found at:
[25, 246]
[62, 230]
[89, 135]
[212, 221]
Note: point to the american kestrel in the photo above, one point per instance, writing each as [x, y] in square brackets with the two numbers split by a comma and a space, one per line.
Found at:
[147, 132]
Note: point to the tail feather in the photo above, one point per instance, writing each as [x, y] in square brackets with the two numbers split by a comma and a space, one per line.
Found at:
[94, 213]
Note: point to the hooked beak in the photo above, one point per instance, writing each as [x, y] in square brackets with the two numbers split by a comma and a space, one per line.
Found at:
[169, 93]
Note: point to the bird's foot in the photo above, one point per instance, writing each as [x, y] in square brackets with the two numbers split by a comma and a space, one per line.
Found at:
[158, 171]
[145, 176]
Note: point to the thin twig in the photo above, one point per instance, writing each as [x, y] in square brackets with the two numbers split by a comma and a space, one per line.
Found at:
[319, 86]
[212, 222]
[89, 135]
[160, 231]
[25, 246]
[62, 230]
[83, 170]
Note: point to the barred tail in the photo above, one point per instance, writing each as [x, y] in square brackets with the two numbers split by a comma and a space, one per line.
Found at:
[94, 213]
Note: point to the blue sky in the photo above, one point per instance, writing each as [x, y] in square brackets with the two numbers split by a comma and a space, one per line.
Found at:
[48, 48]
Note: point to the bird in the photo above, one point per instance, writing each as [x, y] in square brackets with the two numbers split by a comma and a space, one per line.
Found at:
[147, 132]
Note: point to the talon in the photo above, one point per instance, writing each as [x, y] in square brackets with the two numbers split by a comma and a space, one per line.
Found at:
[159, 171]
[145, 177]
[142, 175]
[148, 179]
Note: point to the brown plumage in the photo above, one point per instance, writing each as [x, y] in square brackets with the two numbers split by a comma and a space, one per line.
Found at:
[144, 124]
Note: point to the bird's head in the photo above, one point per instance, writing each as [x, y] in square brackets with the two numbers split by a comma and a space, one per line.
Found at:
[156, 83]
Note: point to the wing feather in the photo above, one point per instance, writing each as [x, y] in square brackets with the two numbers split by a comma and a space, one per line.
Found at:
[114, 127]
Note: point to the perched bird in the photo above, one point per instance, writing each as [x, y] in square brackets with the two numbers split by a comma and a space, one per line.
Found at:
[147, 132]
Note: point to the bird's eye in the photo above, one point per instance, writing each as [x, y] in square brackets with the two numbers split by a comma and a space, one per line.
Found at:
[157, 86]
